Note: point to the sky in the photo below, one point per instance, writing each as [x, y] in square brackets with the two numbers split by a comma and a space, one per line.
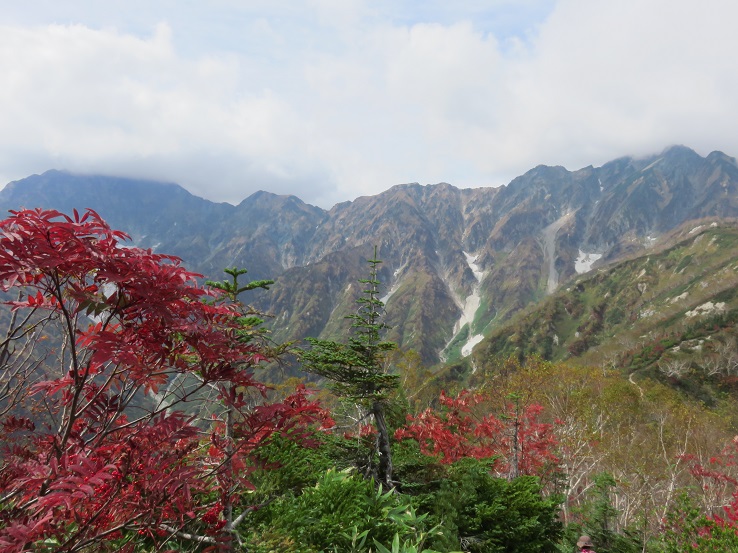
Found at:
[334, 99]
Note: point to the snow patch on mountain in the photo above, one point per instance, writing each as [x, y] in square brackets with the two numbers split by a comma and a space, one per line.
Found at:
[585, 260]
[469, 346]
[549, 250]
[651, 165]
[471, 261]
[469, 307]
[395, 285]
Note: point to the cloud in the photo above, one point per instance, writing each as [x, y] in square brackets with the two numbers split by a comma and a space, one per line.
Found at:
[603, 78]
[98, 100]
[330, 100]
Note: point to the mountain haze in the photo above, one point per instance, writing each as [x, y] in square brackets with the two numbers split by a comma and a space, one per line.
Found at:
[457, 264]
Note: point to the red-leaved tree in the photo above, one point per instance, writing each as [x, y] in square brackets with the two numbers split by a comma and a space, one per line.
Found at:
[718, 479]
[517, 441]
[713, 525]
[108, 353]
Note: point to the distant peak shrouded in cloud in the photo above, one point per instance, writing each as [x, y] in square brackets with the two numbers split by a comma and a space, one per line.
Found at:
[332, 100]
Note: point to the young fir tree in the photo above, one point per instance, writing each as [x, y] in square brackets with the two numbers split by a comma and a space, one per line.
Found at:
[250, 327]
[356, 369]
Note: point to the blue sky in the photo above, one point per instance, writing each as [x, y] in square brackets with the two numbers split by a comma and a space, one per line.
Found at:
[333, 99]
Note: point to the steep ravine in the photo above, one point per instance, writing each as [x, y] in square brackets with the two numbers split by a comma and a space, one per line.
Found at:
[549, 250]
[469, 308]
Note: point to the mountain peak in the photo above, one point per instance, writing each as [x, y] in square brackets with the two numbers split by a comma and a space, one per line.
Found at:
[678, 149]
[717, 156]
[264, 199]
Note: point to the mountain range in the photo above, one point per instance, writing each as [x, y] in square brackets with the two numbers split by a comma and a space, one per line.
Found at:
[458, 265]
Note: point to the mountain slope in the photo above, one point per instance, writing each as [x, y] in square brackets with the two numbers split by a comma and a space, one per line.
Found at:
[456, 263]
[668, 314]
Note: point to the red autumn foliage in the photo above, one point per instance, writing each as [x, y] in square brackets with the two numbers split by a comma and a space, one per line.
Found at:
[720, 475]
[95, 439]
[516, 440]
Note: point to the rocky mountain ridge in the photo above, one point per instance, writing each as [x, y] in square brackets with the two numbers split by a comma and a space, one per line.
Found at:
[669, 314]
[457, 263]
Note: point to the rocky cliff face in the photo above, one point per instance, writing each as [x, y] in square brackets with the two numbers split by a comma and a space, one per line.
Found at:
[456, 263]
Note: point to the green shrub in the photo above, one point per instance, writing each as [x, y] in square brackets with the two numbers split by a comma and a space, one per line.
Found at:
[319, 519]
[480, 513]
[288, 466]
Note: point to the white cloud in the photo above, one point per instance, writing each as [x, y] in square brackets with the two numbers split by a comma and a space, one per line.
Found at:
[607, 78]
[96, 100]
[330, 100]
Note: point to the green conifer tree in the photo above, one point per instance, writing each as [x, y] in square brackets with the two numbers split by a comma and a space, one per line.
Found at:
[356, 369]
[250, 328]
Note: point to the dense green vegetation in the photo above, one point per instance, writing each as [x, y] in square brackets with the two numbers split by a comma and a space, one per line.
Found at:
[628, 459]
